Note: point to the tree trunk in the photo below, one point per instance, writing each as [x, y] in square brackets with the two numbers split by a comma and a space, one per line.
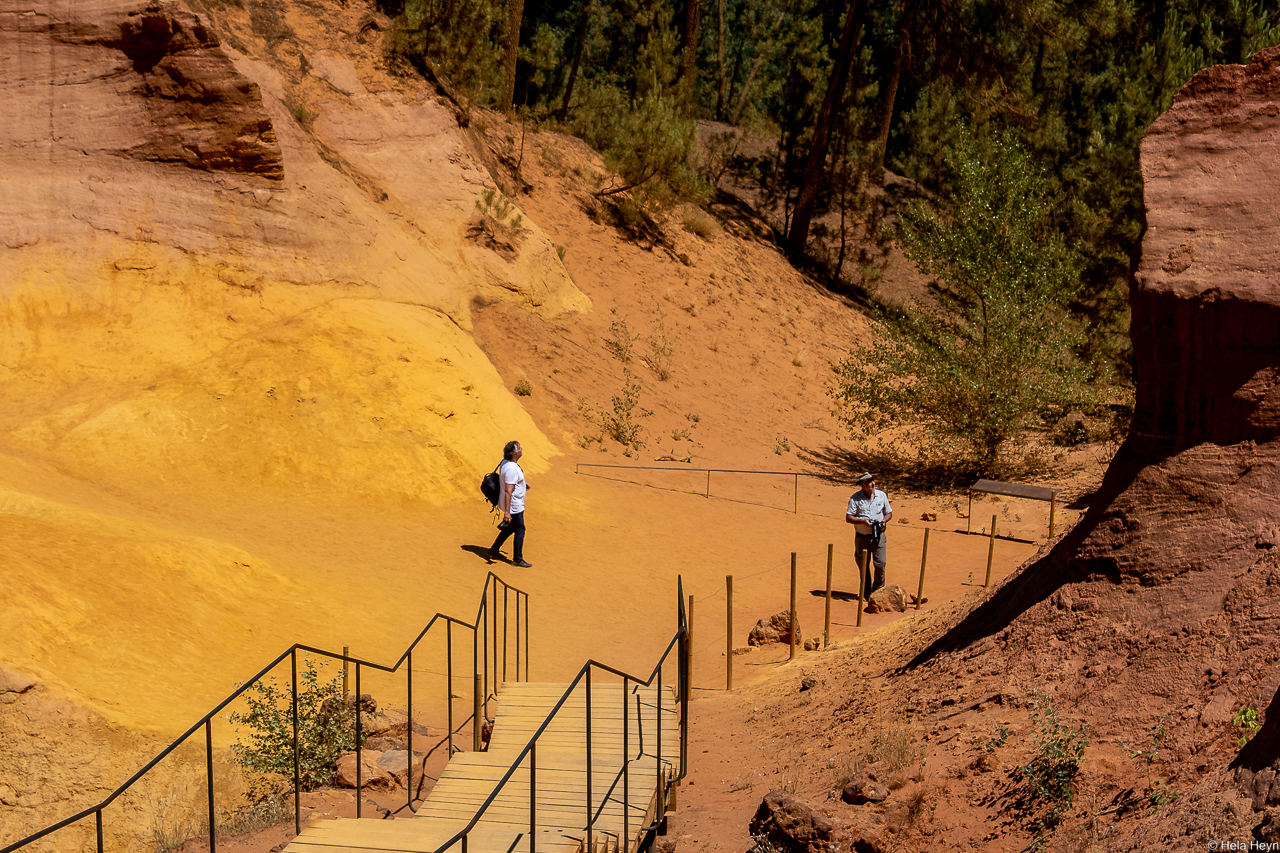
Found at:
[876, 171]
[515, 13]
[721, 82]
[692, 21]
[798, 234]
[577, 60]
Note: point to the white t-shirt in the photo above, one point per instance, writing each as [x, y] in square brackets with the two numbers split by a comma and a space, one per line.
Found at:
[510, 474]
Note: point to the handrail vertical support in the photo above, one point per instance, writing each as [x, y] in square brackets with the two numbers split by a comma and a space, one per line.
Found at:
[448, 686]
[590, 816]
[98, 813]
[408, 672]
[533, 795]
[526, 637]
[208, 769]
[688, 641]
[626, 764]
[475, 715]
[359, 757]
[518, 636]
[297, 756]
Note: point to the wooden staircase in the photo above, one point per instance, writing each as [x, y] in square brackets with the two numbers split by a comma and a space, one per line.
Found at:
[621, 804]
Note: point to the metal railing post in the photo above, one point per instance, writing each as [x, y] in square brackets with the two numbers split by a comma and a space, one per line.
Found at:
[590, 815]
[297, 756]
[98, 813]
[505, 625]
[359, 757]
[475, 719]
[408, 671]
[448, 685]
[533, 795]
[626, 764]
[517, 636]
[208, 770]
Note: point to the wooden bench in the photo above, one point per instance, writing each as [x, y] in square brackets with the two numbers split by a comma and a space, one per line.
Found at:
[1014, 490]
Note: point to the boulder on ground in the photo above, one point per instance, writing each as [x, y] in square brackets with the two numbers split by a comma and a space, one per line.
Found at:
[864, 789]
[775, 629]
[383, 743]
[791, 826]
[397, 763]
[887, 599]
[372, 774]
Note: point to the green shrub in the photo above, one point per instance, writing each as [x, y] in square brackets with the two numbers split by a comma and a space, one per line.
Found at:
[326, 728]
[1247, 720]
[1052, 772]
[523, 388]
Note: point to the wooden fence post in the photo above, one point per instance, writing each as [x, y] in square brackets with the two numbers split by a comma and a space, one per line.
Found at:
[728, 620]
[924, 556]
[826, 626]
[793, 606]
[991, 550]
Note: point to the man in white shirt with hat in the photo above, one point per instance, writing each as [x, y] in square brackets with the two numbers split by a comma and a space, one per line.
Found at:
[869, 513]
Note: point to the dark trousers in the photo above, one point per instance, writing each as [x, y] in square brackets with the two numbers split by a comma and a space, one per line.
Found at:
[877, 558]
[515, 527]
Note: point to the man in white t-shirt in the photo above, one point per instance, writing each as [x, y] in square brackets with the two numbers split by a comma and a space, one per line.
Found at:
[869, 512]
[512, 487]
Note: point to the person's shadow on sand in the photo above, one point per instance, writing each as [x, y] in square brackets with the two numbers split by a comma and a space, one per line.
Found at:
[481, 551]
[836, 594]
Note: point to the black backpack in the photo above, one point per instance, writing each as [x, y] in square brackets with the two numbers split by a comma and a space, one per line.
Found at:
[491, 485]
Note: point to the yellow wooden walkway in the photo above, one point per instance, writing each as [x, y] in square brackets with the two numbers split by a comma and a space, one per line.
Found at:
[561, 813]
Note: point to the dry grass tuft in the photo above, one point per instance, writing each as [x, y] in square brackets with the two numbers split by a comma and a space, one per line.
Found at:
[697, 221]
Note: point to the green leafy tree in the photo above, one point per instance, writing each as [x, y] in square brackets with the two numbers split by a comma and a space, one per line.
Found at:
[992, 349]
[326, 728]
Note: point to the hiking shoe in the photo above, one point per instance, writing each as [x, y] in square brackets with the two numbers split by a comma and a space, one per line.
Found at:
[522, 564]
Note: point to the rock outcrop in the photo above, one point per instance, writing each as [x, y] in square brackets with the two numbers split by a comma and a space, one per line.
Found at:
[1166, 595]
[151, 84]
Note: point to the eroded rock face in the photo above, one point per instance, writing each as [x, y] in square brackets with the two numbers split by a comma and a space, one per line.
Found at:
[117, 63]
[1165, 597]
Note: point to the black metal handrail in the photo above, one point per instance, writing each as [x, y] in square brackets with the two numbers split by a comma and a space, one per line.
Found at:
[679, 641]
[796, 475]
[486, 624]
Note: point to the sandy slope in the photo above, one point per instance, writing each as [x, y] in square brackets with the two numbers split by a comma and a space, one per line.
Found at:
[216, 443]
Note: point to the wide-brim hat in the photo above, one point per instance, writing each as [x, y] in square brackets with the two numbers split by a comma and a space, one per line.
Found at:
[864, 478]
